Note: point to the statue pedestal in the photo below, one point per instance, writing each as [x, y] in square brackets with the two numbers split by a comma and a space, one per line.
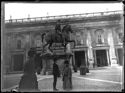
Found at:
[46, 55]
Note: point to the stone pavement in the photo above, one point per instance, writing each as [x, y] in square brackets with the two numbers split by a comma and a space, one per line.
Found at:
[99, 79]
[12, 80]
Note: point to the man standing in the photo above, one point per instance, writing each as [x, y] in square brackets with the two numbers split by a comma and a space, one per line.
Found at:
[56, 73]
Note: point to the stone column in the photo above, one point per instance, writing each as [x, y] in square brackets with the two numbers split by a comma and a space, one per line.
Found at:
[107, 52]
[86, 57]
[73, 59]
[116, 52]
[90, 54]
[95, 61]
[112, 49]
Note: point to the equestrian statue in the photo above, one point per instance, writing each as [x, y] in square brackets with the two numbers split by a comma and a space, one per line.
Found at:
[58, 36]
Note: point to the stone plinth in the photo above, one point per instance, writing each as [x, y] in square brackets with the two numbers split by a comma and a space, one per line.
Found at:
[50, 56]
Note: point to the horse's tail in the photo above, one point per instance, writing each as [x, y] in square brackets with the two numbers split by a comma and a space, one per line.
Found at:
[42, 36]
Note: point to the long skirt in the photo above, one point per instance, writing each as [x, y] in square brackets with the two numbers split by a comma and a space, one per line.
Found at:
[67, 83]
[28, 82]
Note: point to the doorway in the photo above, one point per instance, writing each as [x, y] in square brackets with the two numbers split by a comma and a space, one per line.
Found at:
[80, 58]
[101, 58]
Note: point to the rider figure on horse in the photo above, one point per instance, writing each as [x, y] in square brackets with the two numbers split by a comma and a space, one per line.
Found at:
[58, 29]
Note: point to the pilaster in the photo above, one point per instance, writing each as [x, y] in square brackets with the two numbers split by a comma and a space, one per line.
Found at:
[89, 50]
[108, 57]
[112, 49]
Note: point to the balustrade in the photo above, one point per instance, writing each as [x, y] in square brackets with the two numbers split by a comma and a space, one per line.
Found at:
[36, 19]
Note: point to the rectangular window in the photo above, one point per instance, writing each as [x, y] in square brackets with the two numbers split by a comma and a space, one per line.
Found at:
[17, 60]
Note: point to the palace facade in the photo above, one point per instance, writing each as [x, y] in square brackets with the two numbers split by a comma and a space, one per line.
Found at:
[99, 39]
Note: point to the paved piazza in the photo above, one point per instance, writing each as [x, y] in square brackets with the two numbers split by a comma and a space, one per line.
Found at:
[104, 79]
[99, 79]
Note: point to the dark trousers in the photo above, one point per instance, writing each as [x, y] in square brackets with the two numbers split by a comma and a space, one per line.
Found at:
[54, 82]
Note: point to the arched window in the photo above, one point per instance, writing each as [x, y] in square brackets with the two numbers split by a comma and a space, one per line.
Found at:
[18, 44]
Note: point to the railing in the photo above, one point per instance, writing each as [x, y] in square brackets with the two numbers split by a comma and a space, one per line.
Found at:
[39, 19]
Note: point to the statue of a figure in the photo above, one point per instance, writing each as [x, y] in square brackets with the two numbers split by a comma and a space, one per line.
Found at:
[58, 36]
[58, 29]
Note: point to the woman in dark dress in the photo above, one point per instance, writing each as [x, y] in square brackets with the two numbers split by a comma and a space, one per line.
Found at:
[67, 76]
[28, 82]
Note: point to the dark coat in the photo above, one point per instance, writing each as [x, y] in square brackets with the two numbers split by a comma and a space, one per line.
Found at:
[67, 78]
[56, 71]
[28, 81]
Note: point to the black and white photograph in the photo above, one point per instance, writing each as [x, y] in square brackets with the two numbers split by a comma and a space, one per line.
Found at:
[60, 47]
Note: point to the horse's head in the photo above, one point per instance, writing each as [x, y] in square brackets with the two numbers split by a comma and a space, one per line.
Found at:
[67, 28]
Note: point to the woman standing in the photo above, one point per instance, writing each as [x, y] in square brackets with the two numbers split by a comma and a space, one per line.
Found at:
[28, 82]
[67, 76]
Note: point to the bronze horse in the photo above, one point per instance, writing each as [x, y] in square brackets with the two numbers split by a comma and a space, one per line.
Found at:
[53, 37]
